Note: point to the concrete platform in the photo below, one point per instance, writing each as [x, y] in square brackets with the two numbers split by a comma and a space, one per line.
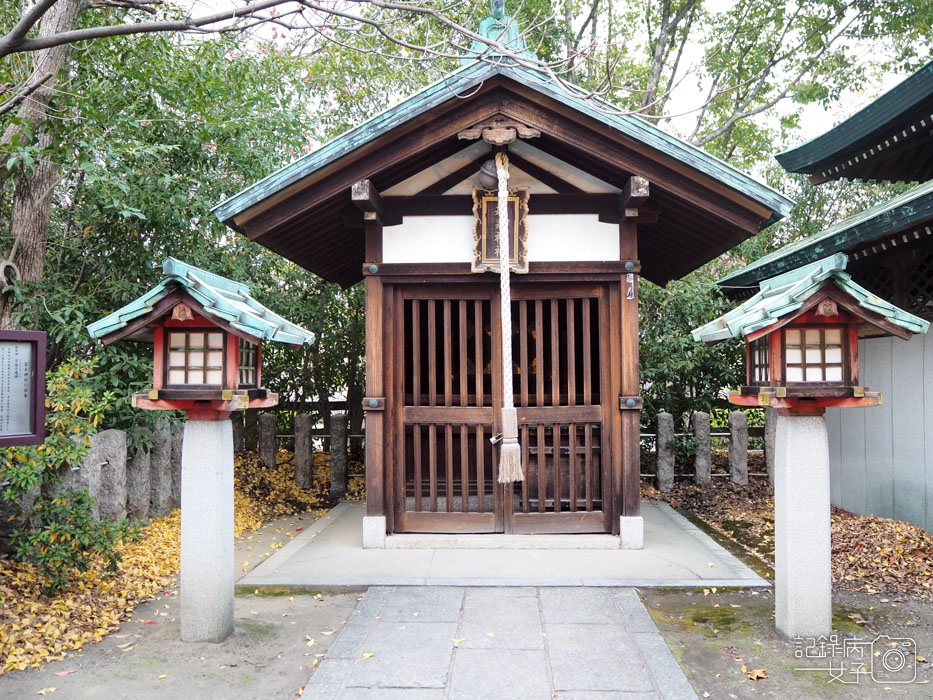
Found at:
[331, 553]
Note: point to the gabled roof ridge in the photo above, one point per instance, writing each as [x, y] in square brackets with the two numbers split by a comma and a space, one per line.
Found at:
[473, 75]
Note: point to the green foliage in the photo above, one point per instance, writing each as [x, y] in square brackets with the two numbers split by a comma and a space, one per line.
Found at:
[58, 533]
[719, 417]
[64, 537]
[678, 374]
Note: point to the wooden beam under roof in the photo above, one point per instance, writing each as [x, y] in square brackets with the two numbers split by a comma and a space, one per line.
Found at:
[367, 199]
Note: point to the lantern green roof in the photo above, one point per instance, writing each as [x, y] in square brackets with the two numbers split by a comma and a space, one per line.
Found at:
[909, 209]
[224, 300]
[472, 76]
[785, 294]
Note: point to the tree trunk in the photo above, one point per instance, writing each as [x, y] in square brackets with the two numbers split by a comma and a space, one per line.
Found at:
[32, 190]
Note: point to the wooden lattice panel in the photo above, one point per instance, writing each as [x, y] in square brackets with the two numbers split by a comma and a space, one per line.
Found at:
[919, 285]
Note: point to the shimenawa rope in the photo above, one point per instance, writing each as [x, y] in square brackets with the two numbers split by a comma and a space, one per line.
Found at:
[510, 453]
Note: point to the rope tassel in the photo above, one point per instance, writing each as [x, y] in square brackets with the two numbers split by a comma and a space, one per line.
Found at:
[510, 453]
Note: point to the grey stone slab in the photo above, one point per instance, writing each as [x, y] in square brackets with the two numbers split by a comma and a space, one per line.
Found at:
[405, 655]
[666, 673]
[702, 460]
[664, 475]
[499, 622]
[349, 642]
[267, 445]
[636, 616]
[160, 471]
[487, 674]
[178, 448]
[137, 484]
[109, 447]
[604, 695]
[504, 593]
[595, 657]
[738, 447]
[579, 605]
[328, 679]
[424, 604]
[392, 694]
[304, 450]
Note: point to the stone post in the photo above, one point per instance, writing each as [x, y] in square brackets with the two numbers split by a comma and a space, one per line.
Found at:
[664, 449]
[160, 471]
[251, 429]
[802, 565]
[770, 424]
[207, 531]
[178, 438]
[738, 447]
[304, 452]
[236, 422]
[109, 447]
[338, 455]
[702, 461]
[267, 446]
[85, 476]
[138, 486]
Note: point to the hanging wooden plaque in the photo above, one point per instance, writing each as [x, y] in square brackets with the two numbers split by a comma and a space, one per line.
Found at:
[22, 388]
[486, 223]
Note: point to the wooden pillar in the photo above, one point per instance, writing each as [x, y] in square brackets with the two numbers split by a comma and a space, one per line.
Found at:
[375, 381]
[631, 428]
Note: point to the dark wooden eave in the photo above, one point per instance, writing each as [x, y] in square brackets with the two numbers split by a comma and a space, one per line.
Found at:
[887, 140]
[314, 223]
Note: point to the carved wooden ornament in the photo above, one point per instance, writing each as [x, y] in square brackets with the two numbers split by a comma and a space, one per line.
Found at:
[486, 223]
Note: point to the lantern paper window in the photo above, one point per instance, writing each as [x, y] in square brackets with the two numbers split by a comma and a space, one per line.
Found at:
[760, 361]
[814, 355]
[249, 358]
[195, 359]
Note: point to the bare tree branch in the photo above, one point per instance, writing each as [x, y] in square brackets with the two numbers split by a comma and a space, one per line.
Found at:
[24, 93]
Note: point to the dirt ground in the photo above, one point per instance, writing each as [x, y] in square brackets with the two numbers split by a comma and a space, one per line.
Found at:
[268, 656]
[714, 634]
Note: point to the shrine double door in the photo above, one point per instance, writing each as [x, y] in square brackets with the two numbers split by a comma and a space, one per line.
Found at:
[447, 396]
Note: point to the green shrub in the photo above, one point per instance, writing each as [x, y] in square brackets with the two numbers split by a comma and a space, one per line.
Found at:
[58, 533]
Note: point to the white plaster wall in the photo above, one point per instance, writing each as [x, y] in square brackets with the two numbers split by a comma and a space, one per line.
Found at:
[551, 238]
[881, 458]
[429, 239]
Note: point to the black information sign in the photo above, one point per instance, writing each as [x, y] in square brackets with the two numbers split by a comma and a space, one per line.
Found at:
[22, 388]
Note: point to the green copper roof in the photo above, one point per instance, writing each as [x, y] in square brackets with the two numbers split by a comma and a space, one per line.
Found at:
[907, 209]
[468, 77]
[223, 299]
[787, 293]
[905, 96]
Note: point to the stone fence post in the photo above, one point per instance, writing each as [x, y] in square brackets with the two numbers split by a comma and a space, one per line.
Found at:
[138, 484]
[236, 421]
[267, 446]
[251, 429]
[338, 454]
[738, 447]
[160, 471]
[702, 460]
[664, 449]
[304, 452]
[771, 416]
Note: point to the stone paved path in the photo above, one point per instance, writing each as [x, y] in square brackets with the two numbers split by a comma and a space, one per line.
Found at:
[464, 643]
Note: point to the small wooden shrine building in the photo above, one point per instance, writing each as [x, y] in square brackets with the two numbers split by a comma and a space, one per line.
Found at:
[599, 200]
[880, 459]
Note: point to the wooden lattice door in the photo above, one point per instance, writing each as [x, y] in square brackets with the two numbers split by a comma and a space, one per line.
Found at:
[448, 392]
